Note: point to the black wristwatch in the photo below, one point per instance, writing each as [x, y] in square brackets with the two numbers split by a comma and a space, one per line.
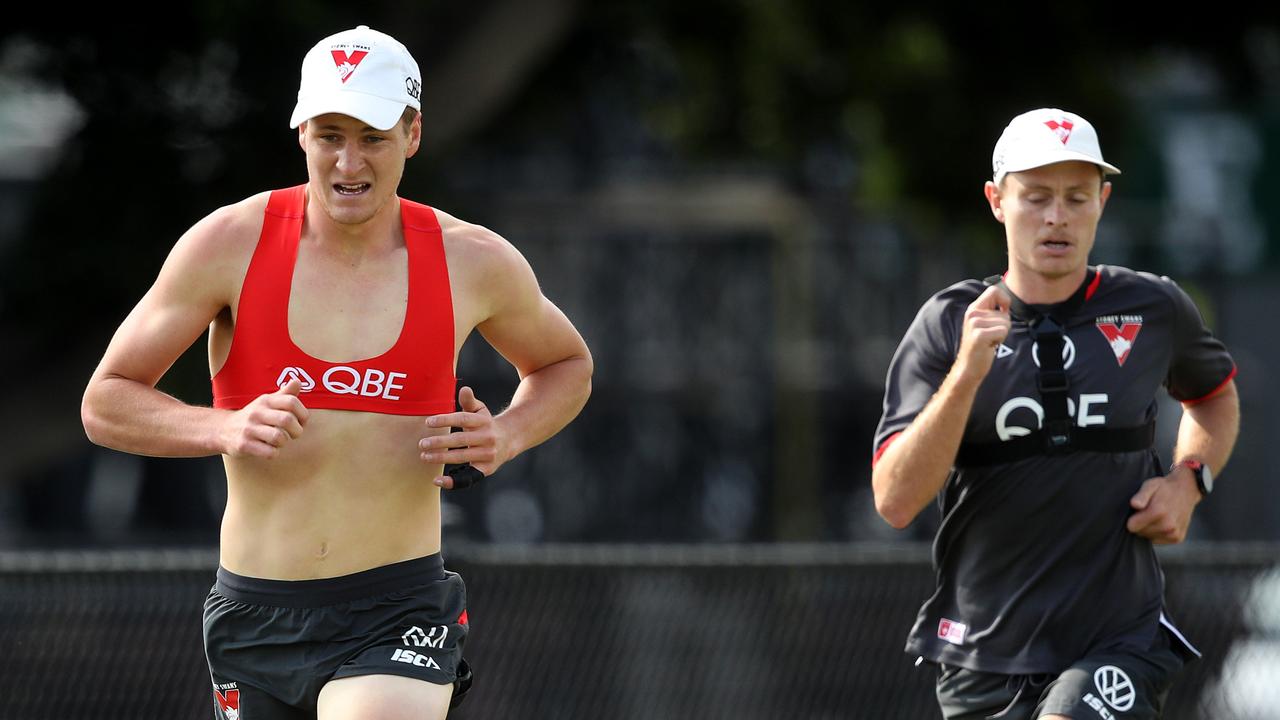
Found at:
[1204, 478]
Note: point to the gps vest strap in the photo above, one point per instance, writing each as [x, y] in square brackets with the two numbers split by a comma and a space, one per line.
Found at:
[1057, 433]
[1094, 439]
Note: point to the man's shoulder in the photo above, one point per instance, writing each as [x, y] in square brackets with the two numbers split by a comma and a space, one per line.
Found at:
[945, 308]
[236, 221]
[1118, 279]
[955, 296]
[226, 237]
[455, 228]
[488, 273]
[1123, 277]
[472, 243]
[967, 290]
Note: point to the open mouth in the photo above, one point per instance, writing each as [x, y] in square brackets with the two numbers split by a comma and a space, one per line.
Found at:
[355, 189]
[1056, 244]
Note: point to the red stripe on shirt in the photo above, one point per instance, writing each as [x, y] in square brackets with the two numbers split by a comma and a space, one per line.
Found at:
[884, 446]
[1211, 393]
[1093, 286]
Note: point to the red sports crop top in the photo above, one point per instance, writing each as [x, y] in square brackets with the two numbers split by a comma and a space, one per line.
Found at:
[414, 377]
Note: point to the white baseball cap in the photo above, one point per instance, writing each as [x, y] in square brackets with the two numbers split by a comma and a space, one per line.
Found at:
[1043, 137]
[362, 73]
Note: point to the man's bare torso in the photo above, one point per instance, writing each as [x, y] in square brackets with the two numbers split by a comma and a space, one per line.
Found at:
[352, 492]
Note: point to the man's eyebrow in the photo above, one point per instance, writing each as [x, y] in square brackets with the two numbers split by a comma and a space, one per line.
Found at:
[1069, 188]
[365, 129]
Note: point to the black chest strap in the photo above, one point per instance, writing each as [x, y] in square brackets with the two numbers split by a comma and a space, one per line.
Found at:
[1093, 439]
[1057, 433]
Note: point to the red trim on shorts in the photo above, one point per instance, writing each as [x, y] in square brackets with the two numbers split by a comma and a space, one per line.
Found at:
[462, 619]
[884, 446]
[1211, 393]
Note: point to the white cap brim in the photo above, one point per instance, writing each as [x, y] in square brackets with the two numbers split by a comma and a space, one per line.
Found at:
[378, 113]
[1057, 157]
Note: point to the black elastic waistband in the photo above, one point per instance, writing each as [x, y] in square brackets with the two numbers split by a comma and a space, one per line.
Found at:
[329, 591]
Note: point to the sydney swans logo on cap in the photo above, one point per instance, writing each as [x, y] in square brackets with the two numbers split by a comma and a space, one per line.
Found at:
[1061, 128]
[347, 63]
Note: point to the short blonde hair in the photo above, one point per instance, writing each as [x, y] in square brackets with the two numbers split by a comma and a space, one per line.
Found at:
[406, 118]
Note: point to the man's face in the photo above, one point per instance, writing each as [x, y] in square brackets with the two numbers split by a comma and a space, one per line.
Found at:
[354, 169]
[1051, 216]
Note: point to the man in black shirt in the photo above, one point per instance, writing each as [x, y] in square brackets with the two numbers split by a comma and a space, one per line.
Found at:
[1026, 405]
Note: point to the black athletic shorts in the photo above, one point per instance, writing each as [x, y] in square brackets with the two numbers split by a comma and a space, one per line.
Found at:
[1125, 683]
[273, 644]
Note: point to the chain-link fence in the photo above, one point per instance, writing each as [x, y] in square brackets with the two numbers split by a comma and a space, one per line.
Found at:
[616, 632]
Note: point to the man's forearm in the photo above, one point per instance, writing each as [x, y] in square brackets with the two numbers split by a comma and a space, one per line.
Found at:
[1208, 429]
[915, 465]
[545, 401]
[133, 417]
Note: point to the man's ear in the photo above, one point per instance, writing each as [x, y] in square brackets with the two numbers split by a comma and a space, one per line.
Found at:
[415, 137]
[992, 191]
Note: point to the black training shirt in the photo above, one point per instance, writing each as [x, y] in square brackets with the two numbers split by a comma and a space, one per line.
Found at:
[1035, 568]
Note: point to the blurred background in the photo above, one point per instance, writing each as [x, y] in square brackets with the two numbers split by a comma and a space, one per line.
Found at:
[741, 205]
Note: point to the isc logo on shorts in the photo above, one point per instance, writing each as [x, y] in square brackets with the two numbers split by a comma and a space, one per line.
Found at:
[412, 658]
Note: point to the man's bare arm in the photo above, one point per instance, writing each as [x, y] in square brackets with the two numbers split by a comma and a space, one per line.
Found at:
[552, 360]
[1209, 428]
[1207, 433]
[123, 410]
[915, 465]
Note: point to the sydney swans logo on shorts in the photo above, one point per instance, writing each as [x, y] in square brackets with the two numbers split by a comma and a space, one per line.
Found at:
[1121, 331]
[1115, 687]
[227, 698]
[345, 380]
[347, 63]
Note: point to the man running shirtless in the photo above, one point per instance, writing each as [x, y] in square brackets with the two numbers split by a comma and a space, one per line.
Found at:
[335, 312]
